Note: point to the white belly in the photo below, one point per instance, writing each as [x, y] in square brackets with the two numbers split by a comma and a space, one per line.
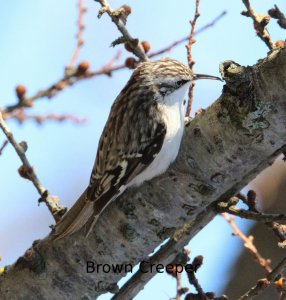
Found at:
[173, 115]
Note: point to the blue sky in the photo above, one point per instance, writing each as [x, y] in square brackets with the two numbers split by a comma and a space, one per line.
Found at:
[37, 39]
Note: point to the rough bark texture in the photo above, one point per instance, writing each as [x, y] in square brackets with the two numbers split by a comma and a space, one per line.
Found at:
[223, 149]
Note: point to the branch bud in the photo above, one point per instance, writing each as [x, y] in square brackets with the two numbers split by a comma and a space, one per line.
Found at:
[24, 145]
[197, 262]
[245, 13]
[20, 91]
[273, 13]
[263, 283]
[60, 85]
[146, 46]
[280, 44]
[83, 67]
[25, 172]
[264, 22]
[126, 10]
[130, 62]
[127, 47]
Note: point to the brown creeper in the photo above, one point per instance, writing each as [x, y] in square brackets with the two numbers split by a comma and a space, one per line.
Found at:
[140, 140]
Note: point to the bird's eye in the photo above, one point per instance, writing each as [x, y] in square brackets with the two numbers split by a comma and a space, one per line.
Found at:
[179, 83]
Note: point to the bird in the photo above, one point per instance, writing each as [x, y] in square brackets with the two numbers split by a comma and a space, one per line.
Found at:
[140, 140]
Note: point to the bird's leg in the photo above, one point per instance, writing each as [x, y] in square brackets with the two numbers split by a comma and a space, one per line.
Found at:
[188, 120]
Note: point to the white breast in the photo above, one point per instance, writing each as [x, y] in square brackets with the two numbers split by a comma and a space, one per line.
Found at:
[173, 115]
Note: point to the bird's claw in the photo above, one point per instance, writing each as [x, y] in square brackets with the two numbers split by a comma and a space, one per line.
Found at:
[188, 120]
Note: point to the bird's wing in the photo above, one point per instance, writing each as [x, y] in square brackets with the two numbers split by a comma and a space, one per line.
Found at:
[105, 187]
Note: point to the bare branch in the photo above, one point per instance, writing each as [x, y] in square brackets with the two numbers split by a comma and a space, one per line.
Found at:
[184, 39]
[247, 214]
[261, 285]
[276, 13]
[179, 286]
[259, 24]
[264, 282]
[191, 62]
[21, 117]
[194, 281]
[119, 17]
[67, 80]
[175, 269]
[5, 143]
[79, 35]
[145, 216]
[248, 244]
[270, 220]
[27, 171]
[191, 39]
[73, 75]
[280, 232]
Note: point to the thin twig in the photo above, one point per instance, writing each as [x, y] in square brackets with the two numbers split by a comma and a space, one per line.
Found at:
[191, 40]
[119, 18]
[264, 282]
[75, 77]
[191, 62]
[178, 264]
[190, 99]
[248, 244]
[109, 65]
[29, 173]
[194, 281]
[270, 220]
[247, 214]
[276, 13]
[186, 38]
[22, 117]
[280, 232]
[179, 286]
[259, 24]
[5, 143]
[79, 35]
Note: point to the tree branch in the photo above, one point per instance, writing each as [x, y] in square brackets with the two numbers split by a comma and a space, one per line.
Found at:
[247, 214]
[27, 171]
[185, 39]
[259, 24]
[79, 35]
[119, 17]
[73, 76]
[276, 13]
[166, 253]
[4, 144]
[22, 117]
[248, 244]
[264, 282]
[247, 133]
[191, 61]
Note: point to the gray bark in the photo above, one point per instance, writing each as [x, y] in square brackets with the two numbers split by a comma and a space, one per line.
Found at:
[222, 150]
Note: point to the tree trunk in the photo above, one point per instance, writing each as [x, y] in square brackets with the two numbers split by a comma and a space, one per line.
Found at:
[223, 149]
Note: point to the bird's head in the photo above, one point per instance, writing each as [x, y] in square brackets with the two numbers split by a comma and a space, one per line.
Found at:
[167, 76]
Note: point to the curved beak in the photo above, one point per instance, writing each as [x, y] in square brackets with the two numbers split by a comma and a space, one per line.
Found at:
[204, 76]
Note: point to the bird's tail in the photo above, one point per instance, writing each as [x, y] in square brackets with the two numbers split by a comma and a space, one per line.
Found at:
[80, 214]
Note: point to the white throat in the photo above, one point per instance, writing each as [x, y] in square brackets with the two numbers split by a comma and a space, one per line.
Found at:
[172, 109]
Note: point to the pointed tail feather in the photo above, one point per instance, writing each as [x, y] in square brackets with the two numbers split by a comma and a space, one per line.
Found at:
[100, 205]
[90, 224]
[83, 213]
[75, 218]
